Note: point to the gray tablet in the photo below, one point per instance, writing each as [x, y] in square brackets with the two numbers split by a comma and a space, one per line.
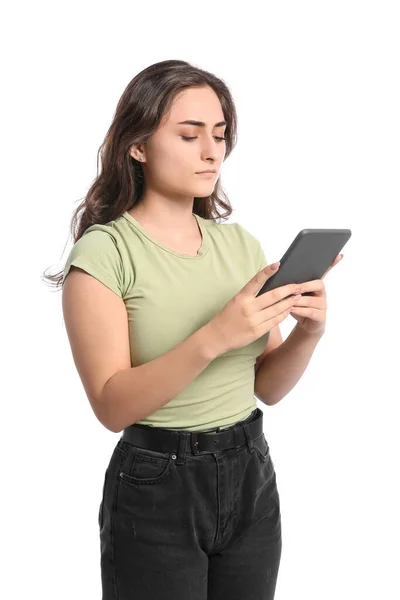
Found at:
[308, 257]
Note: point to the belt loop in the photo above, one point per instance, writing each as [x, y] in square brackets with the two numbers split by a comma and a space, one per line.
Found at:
[183, 436]
[248, 437]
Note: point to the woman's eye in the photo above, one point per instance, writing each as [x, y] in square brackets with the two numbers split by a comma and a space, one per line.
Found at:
[188, 139]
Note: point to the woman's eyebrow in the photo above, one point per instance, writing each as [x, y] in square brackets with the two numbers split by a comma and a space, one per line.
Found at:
[200, 123]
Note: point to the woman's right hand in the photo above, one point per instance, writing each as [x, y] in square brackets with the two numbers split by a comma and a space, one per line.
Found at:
[246, 317]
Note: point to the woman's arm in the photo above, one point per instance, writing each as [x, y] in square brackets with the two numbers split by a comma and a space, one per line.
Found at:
[283, 367]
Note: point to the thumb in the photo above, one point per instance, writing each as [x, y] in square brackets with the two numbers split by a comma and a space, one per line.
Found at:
[260, 278]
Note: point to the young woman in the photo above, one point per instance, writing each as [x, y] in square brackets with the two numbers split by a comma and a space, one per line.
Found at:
[169, 339]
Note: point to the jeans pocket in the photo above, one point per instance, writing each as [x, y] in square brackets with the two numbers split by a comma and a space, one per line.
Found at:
[143, 466]
[261, 447]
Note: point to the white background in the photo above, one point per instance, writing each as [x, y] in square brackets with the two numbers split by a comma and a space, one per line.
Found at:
[316, 86]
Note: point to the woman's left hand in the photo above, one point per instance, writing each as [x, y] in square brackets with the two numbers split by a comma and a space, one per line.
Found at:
[310, 311]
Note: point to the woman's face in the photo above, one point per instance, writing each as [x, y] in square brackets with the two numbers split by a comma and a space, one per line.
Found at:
[171, 163]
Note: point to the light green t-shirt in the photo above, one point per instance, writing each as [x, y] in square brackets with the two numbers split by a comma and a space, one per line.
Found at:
[168, 296]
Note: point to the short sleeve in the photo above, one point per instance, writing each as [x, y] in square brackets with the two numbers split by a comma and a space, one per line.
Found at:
[97, 253]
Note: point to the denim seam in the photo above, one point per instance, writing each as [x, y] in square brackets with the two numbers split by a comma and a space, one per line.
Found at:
[113, 508]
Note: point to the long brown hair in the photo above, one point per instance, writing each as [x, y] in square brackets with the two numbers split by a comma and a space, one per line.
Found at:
[144, 102]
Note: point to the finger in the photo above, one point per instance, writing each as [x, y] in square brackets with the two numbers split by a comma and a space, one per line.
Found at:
[316, 285]
[279, 311]
[315, 314]
[335, 262]
[256, 283]
[312, 302]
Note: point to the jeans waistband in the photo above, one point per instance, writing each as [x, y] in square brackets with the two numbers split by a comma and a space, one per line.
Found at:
[195, 442]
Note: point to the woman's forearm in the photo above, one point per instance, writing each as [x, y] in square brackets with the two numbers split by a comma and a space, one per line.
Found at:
[284, 366]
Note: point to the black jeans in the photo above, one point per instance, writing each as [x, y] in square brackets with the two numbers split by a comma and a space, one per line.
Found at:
[190, 515]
